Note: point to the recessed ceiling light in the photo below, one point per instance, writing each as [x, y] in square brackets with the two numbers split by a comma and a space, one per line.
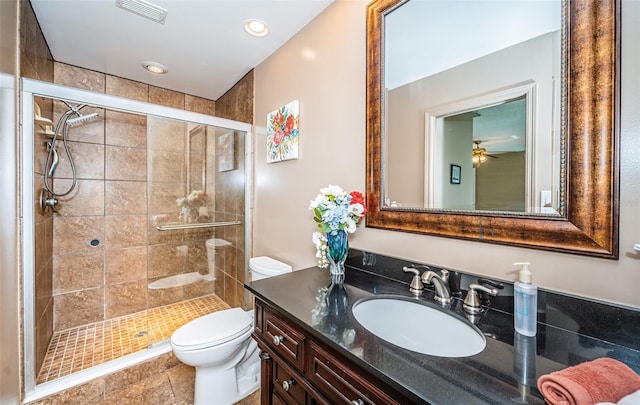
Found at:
[155, 67]
[256, 28]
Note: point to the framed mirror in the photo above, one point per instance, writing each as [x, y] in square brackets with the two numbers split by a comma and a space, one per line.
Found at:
[507, 134]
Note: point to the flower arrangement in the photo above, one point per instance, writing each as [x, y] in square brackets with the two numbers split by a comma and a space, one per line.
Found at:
[282, 133]
[193, 206]
[337, 214]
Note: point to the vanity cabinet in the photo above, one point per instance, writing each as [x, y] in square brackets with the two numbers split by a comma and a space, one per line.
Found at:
[298, 368]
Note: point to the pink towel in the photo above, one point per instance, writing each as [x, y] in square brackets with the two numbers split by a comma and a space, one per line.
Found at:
[600, 380]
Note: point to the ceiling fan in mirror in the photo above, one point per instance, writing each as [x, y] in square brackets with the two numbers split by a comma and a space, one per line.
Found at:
[479, 155]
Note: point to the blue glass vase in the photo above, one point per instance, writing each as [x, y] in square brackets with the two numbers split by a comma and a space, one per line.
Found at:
[337, 247]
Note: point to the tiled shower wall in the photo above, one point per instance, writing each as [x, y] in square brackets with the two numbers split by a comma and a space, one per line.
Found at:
[76, 286]
[36, 62]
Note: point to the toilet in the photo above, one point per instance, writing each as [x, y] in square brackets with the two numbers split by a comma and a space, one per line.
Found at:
[220, 347]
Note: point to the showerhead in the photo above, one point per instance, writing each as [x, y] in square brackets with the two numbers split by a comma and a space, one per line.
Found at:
[81, 119]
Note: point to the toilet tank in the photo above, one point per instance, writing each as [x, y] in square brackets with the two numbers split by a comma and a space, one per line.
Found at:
[264, 267]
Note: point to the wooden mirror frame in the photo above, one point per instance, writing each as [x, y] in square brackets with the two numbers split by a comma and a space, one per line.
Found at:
[588, 224]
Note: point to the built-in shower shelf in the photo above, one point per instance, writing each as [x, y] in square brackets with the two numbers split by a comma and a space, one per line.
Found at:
[175, 227]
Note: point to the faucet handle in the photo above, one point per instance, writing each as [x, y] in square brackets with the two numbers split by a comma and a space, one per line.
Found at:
[444, 275]
[484, 297]
[416, 283]
[472, 302]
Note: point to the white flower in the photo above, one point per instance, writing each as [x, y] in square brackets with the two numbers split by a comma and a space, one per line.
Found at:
[320, 241]
[351, 225]
[356, 209]
[332, 190]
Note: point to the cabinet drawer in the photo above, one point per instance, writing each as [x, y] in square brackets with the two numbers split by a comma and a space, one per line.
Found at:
[339, 382]
[283, 338]
[288, 386]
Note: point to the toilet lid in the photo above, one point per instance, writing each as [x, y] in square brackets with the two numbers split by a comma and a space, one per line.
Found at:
[213, 329]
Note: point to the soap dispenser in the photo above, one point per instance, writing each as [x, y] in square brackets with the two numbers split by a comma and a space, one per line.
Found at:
[525, 302]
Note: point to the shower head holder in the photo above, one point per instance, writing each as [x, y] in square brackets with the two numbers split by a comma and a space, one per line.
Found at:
[47, 201]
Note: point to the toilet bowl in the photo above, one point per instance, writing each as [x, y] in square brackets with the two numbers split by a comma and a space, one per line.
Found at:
[220, 347]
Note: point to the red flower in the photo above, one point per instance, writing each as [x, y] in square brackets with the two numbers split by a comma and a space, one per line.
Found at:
[356, 197]
[288, 126]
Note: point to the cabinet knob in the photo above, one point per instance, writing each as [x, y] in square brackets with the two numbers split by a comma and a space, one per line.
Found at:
[277, 339]
[286, 385]
[357, 402]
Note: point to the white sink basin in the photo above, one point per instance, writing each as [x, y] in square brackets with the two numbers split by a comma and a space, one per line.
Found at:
[415, 326]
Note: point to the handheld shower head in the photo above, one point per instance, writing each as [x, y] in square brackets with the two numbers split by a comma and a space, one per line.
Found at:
[81, 119]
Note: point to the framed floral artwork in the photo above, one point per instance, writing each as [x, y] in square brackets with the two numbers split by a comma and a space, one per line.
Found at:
[225, 152]
[282, 133]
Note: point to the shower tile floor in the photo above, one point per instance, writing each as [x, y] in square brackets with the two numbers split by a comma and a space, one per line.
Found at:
[79, 348]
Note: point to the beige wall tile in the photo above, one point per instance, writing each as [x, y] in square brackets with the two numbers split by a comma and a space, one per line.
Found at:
[237, 103]
[89, 393]
[126, 129]
[165, 97]
[43, 332]
[36, 60]
[166, 134]
[27, 69]
[199, 105]
[166, 260]
[135, 374]
[43, 243]
[167, 166]
[156, 237]
[78, 308]
[125, 163]
[239, 294]
[88, 159]
[125, 265]
[80, 78]
[196, 259]
[198, 289]
[219, 287]
[163, 196]
[183, 380]
[123, 231]
[87, 198]
[125, 298]
[78, 271]
[43, 290]
[117, 86]
[74, 234]
[229, 290]
[155, 390]
[164, 296]
[125, 197]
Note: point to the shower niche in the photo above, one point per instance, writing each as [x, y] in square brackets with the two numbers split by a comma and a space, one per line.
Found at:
[138, 229]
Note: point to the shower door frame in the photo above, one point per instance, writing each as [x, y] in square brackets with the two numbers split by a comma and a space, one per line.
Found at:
[32, 88]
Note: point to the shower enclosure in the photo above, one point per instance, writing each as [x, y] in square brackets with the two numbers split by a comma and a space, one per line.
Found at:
[134, 223]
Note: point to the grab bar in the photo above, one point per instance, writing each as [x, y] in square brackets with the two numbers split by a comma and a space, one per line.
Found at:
[195, 226]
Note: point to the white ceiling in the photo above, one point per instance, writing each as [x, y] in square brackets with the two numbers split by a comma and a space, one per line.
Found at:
[203, 42]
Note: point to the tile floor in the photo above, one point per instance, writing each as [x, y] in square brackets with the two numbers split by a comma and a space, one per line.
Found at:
[78, 348]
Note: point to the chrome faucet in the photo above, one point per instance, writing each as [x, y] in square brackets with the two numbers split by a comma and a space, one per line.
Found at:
[440, 283]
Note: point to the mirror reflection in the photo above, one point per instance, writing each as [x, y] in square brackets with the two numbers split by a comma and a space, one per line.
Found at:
[472, 106]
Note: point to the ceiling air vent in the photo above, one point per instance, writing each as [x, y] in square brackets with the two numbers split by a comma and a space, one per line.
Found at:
[144, 9]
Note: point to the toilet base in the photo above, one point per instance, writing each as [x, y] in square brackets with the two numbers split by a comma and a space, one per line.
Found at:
[226, 387]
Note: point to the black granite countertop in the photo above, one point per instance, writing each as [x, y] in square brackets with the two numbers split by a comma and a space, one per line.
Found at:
[505, 372]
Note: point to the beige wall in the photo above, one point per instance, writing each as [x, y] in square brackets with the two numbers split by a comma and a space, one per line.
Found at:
[324, 67]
